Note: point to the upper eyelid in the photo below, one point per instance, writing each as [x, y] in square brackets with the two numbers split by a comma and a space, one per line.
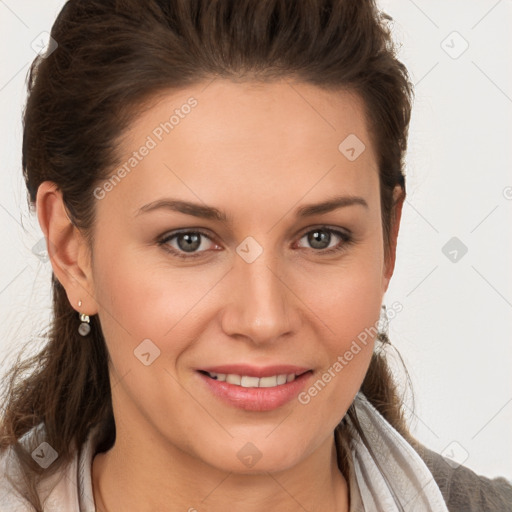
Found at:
[172, 234]
[333, 229]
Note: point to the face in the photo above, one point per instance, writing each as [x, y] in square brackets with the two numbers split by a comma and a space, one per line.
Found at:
[261, 286]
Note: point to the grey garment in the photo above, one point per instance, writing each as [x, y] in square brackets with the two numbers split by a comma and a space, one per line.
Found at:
[465, 491]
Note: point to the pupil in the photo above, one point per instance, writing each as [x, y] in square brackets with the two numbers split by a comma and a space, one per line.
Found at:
[192, 239]
[318, 238]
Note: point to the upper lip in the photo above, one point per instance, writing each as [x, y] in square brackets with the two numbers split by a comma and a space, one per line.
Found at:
[255, 371]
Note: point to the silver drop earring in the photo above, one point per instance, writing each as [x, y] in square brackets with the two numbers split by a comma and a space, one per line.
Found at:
[384, 320]
[383, 326]
[84, 328]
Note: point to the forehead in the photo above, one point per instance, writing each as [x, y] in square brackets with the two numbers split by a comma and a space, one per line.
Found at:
[222, 138]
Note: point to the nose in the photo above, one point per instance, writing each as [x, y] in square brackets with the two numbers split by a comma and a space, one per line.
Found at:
[261, 307]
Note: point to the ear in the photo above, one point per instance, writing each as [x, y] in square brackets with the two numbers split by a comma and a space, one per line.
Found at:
[396, 213]
[67, 248]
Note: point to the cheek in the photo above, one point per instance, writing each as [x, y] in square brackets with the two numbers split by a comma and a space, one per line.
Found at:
[348, 349]
[142, 300]
[346, 298]
[352, 319]
[132, 307]
[347, 305]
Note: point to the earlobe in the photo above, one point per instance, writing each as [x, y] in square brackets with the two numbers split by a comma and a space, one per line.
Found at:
[67, 248]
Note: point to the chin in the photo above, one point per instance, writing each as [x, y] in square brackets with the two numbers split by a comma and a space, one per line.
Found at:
[251, 458]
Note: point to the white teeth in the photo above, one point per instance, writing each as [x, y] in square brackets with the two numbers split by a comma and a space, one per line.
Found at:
[233, 379]
[268, 382]
[250, 382]
[281, 379]
[253, 382]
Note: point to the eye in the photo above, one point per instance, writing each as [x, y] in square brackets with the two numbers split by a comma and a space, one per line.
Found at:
[320, 239]
[186, 243]
[193, 243]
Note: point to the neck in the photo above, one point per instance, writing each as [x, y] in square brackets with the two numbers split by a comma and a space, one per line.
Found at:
[144, 477]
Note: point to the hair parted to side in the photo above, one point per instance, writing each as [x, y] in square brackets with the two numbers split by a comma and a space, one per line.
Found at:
[113, 58]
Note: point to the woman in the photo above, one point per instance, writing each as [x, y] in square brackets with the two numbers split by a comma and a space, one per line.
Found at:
[220, 186]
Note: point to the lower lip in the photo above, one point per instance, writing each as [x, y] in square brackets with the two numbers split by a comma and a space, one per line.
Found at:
[256, 399]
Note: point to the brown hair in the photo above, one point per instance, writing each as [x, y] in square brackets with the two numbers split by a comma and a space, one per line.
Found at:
[112, 58]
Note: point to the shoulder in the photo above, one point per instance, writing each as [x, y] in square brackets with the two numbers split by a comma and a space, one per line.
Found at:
[463, 489]
[11, 493]
[51, 488]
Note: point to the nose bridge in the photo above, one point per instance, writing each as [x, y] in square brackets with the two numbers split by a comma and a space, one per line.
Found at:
[260, 306]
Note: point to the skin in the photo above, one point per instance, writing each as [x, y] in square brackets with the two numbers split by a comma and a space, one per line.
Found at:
[256, 152]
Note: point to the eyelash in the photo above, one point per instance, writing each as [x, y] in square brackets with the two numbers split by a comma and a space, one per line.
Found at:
[345, 237]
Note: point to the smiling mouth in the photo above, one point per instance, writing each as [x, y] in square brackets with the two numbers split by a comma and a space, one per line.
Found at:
[247, 381]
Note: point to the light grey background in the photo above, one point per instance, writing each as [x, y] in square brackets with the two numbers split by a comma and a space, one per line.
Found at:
[454, 332]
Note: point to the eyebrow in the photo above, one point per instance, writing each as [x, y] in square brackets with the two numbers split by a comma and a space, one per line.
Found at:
[212, 213]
